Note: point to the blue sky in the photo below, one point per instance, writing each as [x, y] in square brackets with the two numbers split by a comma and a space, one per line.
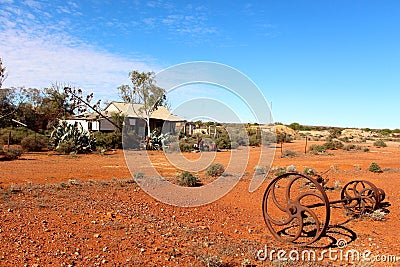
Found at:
[319, 62]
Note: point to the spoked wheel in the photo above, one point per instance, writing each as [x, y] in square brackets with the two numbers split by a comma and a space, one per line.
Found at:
[361, 197]
[296, 209]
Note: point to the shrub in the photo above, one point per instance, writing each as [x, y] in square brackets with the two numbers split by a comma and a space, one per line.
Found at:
[254, 140]
[223, 142]
[186, 144]
[333, 145]
[258, 170]
[187, 179]
[376, 215]
[215, 169]
[289, 153]
[366, 149]
[185, 147]
[309, 171]
[352, 147]
[234, 144]
[65, 147]
[374, 167]
[34, 142]
[113, 140]
[138, 175]
[68, 138]
[380, 143]
[17, 134]
[11, 153]
[317, 149]
[337, 185]
[277, 171]
[291, 168]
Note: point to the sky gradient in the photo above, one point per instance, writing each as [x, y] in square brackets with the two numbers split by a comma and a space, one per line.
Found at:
[334, 63]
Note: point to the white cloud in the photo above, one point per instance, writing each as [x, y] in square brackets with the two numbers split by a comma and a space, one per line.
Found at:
[38, 55]
[39, 61]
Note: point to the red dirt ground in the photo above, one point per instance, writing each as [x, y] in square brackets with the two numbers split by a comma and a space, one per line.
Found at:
[84, 210]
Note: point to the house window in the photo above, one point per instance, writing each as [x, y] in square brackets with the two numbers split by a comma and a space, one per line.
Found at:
[89, 125]
[132, 122]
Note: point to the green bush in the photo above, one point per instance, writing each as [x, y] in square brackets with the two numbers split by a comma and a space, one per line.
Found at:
[34, 142]
[68, 138]
[289, 153]
[138, 175]
[186, 144]
[374, 167]
[17, 134]
[11, 153]
[185, 147]
[113, 140]
[333, 145]
[223, 142]
[309, 171]
[187, 179]
[215, 169]
[254, 140]
[380, 143]
[352, 147]
[65, 147]
[258, 170]
[234, 145]
[277, 171]
[317, 149]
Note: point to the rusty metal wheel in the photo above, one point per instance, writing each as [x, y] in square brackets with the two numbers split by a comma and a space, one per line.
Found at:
[296, 209]
[361, 197]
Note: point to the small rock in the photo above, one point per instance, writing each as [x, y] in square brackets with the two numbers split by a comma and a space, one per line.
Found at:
[142, 250]
[105, 249]
[97, 235]
[110, 215]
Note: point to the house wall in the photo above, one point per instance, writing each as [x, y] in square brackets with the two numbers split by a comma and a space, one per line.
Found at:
[86, 125]
[136, 125]
[105, 125]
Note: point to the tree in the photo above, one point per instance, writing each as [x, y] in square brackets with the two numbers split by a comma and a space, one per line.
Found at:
[143, 91]
[295, 126]
[62, 100]
[7, 106]
[3, 73]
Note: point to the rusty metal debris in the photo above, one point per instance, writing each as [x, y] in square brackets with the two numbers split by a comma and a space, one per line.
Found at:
[296, 207]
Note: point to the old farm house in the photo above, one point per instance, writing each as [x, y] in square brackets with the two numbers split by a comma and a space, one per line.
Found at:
[159, 119]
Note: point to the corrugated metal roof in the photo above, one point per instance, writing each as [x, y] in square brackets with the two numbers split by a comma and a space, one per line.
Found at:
[132, 111]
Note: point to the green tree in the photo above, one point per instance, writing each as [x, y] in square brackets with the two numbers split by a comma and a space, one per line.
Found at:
[143, 91]
[7, 106]
[295, 126]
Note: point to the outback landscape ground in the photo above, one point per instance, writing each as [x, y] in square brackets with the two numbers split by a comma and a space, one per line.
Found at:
[85, 210]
